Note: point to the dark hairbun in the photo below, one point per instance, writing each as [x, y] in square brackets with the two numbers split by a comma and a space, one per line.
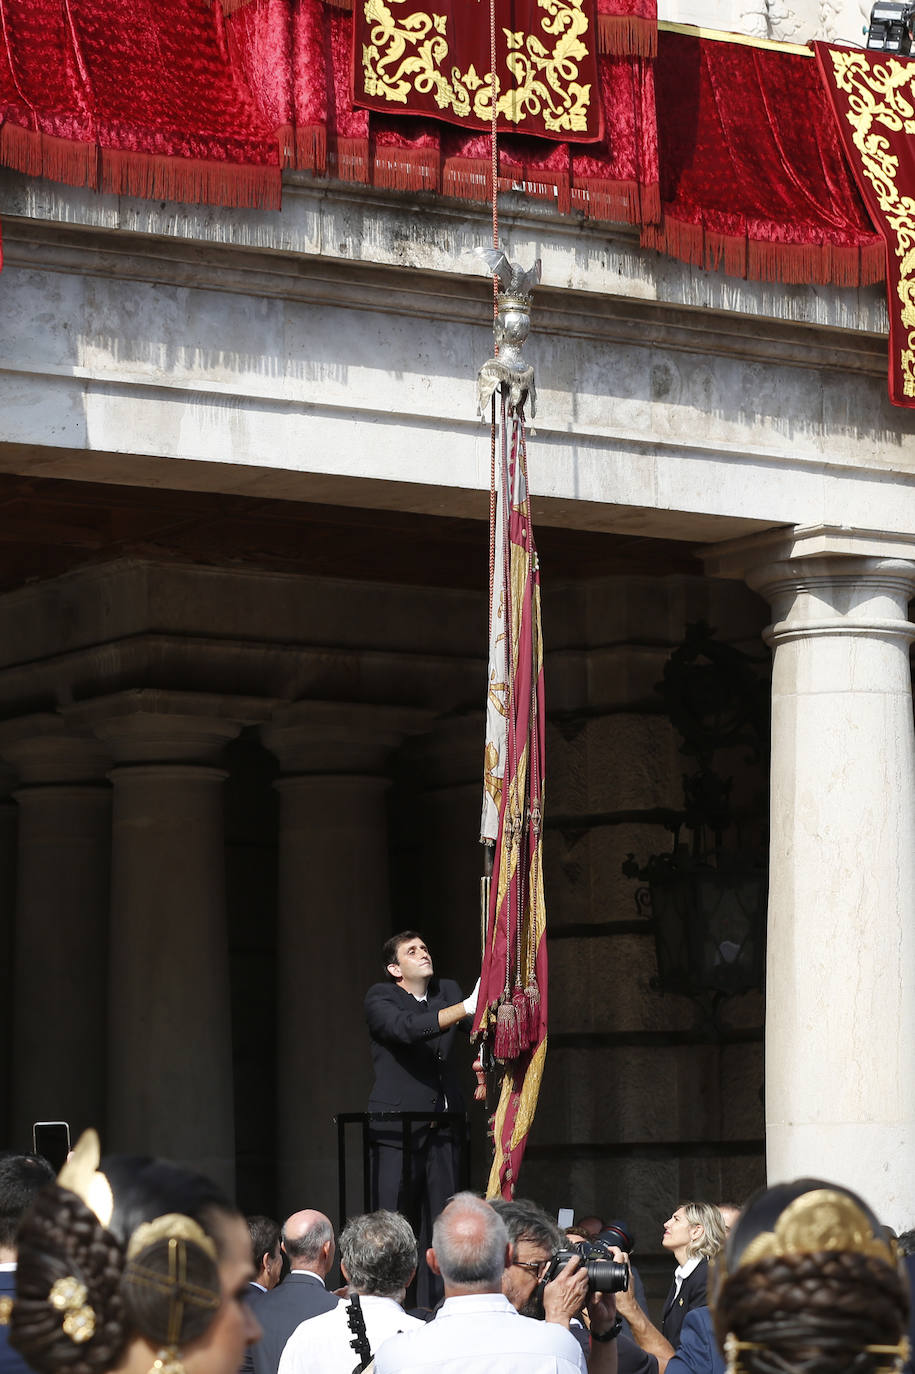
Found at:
[61, 1238]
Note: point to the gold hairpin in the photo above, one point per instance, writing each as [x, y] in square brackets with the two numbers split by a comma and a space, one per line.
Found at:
[68, 1295]
[170, 1226]
[6, 1310]
[818, 1221]
[80, 1174]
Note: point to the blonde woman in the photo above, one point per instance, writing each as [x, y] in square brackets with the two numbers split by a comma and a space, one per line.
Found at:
[694, 1233]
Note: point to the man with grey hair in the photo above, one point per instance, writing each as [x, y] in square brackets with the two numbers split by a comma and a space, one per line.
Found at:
[308, 1241]
[477, 1330]
[378, 1260]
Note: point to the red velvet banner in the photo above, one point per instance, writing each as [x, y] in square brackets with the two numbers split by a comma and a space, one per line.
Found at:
[410, 60]
[872, 97]
[753, 179]
[142, 102]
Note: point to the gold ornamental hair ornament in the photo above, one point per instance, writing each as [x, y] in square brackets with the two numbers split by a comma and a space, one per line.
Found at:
[900, 1353]
[80, 1174]
[170, 1226]
[168, 1361]
[821, 1220]
[69, 1296]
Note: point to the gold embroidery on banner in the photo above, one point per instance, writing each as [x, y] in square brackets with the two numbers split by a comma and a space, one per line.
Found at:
[410, 52]
[883, 96]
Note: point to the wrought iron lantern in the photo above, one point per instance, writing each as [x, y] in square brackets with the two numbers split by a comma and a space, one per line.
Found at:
[707, 900]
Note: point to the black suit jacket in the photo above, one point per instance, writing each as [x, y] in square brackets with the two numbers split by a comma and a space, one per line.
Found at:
[692, 1294]
[280, 1311]
[11, 1362]
[410, 1053]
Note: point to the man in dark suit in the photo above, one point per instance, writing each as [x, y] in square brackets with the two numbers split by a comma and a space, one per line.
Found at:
[411, 1020]
[308, 1240]
[21, 1176]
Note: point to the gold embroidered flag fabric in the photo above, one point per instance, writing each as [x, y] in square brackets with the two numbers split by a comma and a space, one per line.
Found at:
[873, 100]
[432, 58]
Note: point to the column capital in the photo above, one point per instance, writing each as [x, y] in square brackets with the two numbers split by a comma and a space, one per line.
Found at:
[742, 558]
[44, 751]
[159, 727]
[339, 737]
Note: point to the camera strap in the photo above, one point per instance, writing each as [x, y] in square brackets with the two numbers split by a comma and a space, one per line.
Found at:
[356, 1321]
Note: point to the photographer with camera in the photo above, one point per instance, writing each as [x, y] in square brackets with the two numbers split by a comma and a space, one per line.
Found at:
[551, 1283]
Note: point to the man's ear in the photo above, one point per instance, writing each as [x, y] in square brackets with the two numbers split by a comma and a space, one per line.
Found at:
[394, 971]
[433, 1262]
[343, 1271]
[266, 1257]
[283, 1248]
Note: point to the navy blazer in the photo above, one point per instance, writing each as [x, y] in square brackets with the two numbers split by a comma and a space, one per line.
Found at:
[698, 1351]
[410, 1053]
[280, 1311]
[11, 1362]
[676, 1305]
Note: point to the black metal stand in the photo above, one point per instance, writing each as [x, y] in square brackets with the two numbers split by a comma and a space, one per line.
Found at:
[457, 1120]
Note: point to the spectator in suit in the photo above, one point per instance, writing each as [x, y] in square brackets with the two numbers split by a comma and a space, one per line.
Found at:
[266, 1254]
[21, 1176]
[378, 1261]
[308, 1240]
[411, 1020]
[695, 1232]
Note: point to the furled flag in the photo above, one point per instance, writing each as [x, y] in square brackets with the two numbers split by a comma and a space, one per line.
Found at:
[512, 1011]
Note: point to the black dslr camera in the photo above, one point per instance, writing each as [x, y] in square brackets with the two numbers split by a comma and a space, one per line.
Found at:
[605, 1274]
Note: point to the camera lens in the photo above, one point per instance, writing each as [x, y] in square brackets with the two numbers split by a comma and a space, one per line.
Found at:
[606, 1276]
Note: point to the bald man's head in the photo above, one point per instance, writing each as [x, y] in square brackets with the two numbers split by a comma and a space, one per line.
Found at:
[469, 1246]
[308, 1239]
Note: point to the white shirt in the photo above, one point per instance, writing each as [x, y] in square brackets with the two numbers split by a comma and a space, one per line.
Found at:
[482, 1334]
[683, 1271]
[321, 1345]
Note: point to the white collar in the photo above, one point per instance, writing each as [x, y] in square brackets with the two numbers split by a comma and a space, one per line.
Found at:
[480, 1302]
[8, 1267]
[683, 1270]
[305, 1273]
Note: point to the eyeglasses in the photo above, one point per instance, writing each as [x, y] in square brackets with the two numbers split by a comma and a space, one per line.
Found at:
[535, 1267]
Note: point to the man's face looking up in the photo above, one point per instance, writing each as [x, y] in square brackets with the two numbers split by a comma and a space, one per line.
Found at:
[413, 961]
[520, 1281]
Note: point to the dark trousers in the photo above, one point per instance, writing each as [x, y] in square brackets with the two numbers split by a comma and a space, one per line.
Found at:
[419, 1192]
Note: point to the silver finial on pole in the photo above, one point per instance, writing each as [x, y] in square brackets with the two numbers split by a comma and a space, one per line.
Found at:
[511, 328]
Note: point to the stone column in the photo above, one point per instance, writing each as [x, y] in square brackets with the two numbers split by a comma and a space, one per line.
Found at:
[840, 1016]
[333, 917]
[61, 934]
[170, 1083]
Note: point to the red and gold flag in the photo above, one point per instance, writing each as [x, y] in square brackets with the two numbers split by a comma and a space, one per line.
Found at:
[432, 57]
[512, 1008]
[872, 96]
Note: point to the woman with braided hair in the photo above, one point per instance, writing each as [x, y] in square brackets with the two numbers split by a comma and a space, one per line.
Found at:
[811, 1285]
[136, 1266]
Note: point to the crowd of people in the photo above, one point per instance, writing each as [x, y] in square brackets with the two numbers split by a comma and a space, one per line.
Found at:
[132, 1266]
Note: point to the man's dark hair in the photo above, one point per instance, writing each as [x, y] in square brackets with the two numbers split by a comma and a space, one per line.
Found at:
[390, 947]
[265, 1238]
[906, 1242]
[21, 1176]
[524, 1220]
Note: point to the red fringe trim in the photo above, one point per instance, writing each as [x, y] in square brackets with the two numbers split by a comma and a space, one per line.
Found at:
[842, 265]
[627, 34]
[188, 179]
[541, 184]
[616, 201]
[467, 178]
[311, 148]
[348, 159]
[405, 169]
[59, 159]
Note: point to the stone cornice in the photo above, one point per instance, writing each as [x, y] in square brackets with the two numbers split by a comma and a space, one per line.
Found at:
[443, 296]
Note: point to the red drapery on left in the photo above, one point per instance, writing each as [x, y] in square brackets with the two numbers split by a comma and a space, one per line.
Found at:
[143, 104]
